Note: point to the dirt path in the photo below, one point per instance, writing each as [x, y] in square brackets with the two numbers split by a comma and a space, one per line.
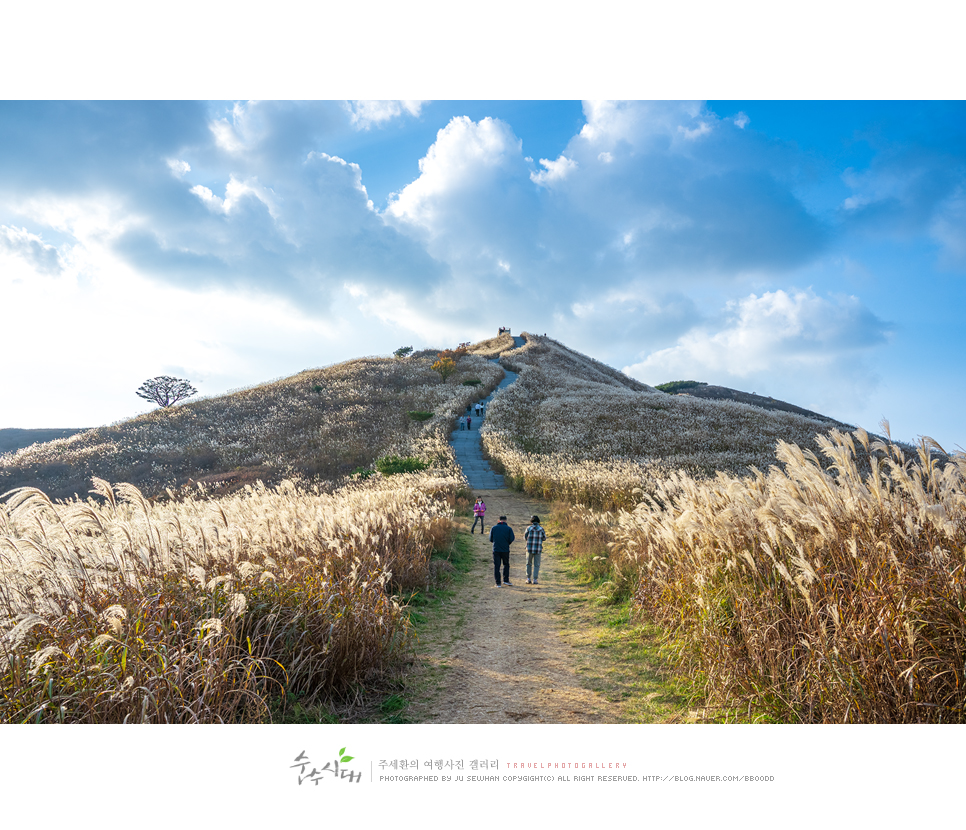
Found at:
[496, 655]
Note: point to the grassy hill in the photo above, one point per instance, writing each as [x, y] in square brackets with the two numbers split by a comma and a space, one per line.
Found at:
[800, 571]
[320, 424]
[573, 428]
[323, 424]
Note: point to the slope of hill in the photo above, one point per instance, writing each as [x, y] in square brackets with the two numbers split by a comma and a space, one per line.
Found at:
[12, 439]
[723, 393]
[574, 428]
[321, 424]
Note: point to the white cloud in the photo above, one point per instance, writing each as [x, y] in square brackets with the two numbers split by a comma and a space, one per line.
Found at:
[367, 114]
[691, 134]
[31, 248]
[225, 134]
[605, 157]
[178, 167]
[103, 216]
[356, 173]
[794, 343]
[556, 171]
[612, 122]
[211, 201]
[465, 157]
[235, 192]
[741, 120]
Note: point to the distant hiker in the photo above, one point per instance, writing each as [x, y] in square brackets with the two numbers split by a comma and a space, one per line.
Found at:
[479, 511]
[535, 536]
[462, 422]
[479, 410]
[469, 422]
[501, 535]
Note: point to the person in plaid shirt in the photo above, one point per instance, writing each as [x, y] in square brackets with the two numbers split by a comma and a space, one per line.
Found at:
[535, 536]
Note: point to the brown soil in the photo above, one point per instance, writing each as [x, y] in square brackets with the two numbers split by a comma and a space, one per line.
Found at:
[498, 655]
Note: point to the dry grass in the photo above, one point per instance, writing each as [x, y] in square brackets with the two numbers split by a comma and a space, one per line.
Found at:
[493, 347]
[320, 424]
[830, 588]
[813, 594]
[210, 602]
[574, 429]
[205, 609]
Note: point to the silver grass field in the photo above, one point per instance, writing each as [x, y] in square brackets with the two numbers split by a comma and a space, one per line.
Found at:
[800, 571]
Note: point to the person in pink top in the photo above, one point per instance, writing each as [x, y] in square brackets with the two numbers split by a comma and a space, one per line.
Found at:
[479, 510]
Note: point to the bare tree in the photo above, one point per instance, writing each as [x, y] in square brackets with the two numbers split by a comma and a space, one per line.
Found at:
[165, 390]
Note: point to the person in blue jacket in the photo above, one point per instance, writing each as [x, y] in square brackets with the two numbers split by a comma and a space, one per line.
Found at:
[501, 535]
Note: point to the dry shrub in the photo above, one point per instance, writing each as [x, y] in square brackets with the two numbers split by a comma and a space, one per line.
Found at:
[819, 595]
[202, 610]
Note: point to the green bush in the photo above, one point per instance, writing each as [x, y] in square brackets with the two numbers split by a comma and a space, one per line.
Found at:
[679, 386]
[391, 464]
[472, 382]
[418, 415]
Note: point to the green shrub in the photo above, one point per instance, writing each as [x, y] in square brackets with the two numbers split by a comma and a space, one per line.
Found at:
[472, 382]
[418, 415]
[391, 464]
[679, 386]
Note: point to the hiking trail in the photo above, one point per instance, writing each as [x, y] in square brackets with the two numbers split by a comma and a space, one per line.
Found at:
[499, 655]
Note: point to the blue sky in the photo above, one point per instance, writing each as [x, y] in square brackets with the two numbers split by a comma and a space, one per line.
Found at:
[812, 251]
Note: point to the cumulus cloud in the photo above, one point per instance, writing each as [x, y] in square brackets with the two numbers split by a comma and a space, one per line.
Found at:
[644, 193]
[692, 133]
[209, 199]
[795, 343]
[367, 114]
[19, 242]
[464, 158]
[250, 194]
[555, 170]
[178, 167]
[473, 205]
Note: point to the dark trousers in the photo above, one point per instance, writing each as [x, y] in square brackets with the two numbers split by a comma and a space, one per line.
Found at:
[505, 559]
[480, 520]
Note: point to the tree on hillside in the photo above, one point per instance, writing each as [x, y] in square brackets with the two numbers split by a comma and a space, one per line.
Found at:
[165, 390]
[445, 366]
[403, 351]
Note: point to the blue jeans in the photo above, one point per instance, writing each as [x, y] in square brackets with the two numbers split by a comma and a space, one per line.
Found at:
[480, 520]
[533, 563]
[505, 559]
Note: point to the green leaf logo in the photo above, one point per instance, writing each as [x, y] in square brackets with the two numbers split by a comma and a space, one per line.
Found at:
[343, 758]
